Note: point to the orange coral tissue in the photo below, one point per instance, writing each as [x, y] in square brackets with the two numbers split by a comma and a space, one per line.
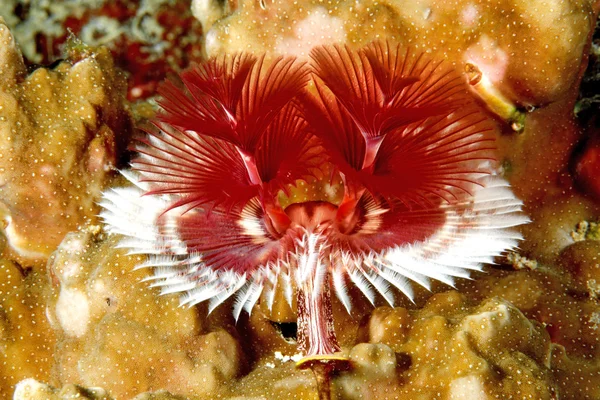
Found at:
[412, 152]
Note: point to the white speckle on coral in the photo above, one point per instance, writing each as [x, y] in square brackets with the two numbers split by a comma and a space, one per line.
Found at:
[16, 241]
[69, 272]
[317, 29]
[73, 311]
[595, 321]
[500, 315]
[284, 358]
[30, 388]
[467, 388]
[470, 15]
[489, 58]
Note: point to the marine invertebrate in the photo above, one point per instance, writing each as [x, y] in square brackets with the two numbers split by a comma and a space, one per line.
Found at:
[214, 202]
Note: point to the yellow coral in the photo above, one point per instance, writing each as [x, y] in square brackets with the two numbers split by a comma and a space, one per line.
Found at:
[116, 332]
[58, 139]
[26, 339]
[530, 49]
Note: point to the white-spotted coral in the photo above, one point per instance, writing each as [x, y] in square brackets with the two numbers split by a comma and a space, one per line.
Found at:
[413, 151]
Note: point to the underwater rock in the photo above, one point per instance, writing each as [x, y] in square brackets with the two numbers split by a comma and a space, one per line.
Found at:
[530, 50]
[374, 365]
[115, 332]
[368, 358]
[577, 378]
[30, 389]
[550, 296]
[388, 325]
[60, 131]
[510, 334]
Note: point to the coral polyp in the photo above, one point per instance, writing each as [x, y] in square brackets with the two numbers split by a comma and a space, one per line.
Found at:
[215, 201]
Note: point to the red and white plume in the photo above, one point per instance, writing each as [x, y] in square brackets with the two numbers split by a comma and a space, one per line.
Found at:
[400, 131]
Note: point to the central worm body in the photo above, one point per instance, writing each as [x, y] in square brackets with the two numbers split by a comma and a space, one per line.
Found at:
[216, 205]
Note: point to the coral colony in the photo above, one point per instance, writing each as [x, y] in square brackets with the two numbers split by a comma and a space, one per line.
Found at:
[217, 205]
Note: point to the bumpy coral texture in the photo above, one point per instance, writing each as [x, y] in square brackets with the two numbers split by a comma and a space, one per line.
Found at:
[555, 288]
[105, 317]
[26, 338]
[31, 389]
[496, 344]
[490, 350]
[57, 145]
[531, 49]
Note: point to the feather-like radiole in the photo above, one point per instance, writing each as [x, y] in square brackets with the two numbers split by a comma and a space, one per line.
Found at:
[415, 155]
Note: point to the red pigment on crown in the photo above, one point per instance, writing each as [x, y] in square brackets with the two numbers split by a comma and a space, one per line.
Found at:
[395, 132]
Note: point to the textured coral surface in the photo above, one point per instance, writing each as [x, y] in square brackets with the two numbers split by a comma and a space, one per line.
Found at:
[57, 144]
[77, 321]
[532, 48]
[97, 304]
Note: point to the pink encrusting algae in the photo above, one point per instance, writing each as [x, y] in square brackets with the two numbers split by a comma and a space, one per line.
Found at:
[209, 201]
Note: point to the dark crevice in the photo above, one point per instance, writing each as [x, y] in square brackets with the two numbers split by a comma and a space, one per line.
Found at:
[289, 330]
[24, 271]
